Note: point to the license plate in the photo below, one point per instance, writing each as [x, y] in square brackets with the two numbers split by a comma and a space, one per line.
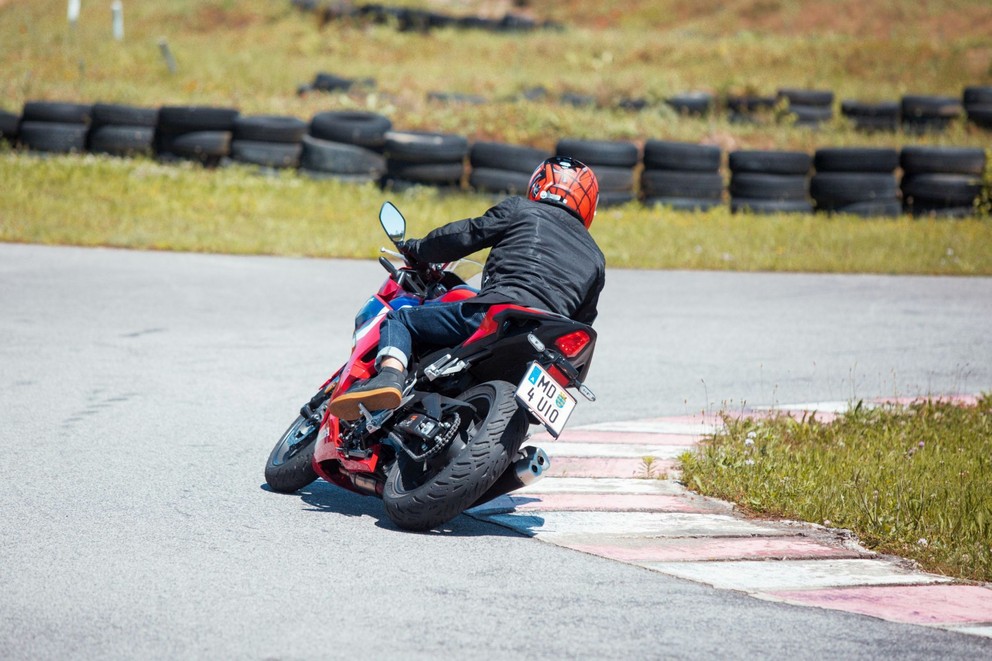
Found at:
[545, 398]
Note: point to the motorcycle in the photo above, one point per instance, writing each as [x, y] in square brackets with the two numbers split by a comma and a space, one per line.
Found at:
[457, 438]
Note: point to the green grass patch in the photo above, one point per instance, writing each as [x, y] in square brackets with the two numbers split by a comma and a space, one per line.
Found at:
[911, 481]
[142, 204]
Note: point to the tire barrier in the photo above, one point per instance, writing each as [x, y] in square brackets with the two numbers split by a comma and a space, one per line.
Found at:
[872, 116]
[807, 107]
[691, 104]
[681, 176]
[54, 127]
[977, 103]
[859, 181]
[418, 20]
[928, 114]
[362, 147]
[612, 161]
[747, 109]
[329, 82]
[941, 181]
[769, 181]
[502, 168]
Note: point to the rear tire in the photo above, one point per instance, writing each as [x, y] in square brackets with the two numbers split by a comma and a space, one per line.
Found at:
[489, 441]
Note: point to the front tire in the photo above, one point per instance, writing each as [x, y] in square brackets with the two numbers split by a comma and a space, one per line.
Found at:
[290, 464]
[483, 449]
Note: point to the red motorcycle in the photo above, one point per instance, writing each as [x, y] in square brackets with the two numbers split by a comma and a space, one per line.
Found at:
[456, 439]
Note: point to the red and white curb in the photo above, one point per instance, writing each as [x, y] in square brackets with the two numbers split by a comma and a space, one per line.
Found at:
[603, 497]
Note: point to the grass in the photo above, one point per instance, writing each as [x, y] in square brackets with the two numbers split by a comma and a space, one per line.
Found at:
[908, 480]
[138, 203]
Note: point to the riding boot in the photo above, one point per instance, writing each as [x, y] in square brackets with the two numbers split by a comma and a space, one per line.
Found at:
[383, 391]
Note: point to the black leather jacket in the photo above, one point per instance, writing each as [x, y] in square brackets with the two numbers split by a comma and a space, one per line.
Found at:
[542, 256]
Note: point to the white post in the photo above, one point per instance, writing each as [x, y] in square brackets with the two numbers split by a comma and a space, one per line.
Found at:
[72, 12]
[117, 9]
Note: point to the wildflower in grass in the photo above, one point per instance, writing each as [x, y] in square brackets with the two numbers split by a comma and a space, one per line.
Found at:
[749, 462]
[922, 541]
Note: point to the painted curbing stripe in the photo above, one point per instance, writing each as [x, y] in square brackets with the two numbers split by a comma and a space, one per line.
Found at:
[753, 576]
[549, 525]
[613, 450]
[602, 485]
[598, 502]
[921, 604]
[695, 549]
[606, 467]
[973, 630]
[661, 426]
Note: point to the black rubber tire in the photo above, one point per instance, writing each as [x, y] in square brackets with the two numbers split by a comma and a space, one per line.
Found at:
[364, 129]
[888, 110]
[944, 160]
[599, 152]
[856, 159]
[426, 173]
[267, 154]
[890, 208]
[328, 82]
[682, 156]
[770, 162]
[876, 124]
[945, 189]
[113, 114]
[810, 115]
[456, 98]
[424, 147]
[269, 128]
[682, 203]
[746, 105]
[487, 448]
[691, 104]
[760, 186]
[8, 125]
[121, 140]
[807, 97]
[57, 112]
[746, 205]
[202, 144]
[614, 199]
[185, 119]
[981, 115]
[578, 100]
[832, 190]
[673, 184]
[500, 156]
[340, 159]
[977, 95]
[926, 107]
[492, 180]
[289, 467]
[614, 179]
[53, 137]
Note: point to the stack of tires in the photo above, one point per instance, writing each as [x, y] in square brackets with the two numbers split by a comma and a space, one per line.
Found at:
[941, 181]
[55, 127]
[196, 133]
[681, 176]
[977, 103]
[502, 168]
[859, 181]
[121, 130]
[769, 181]
[749, 109]
[928, 114]
[808, 107]
[691, 104]
[270, 141]
[346, 145]
[871, 116]
[8, 126]
[612, 161]
[422, 158]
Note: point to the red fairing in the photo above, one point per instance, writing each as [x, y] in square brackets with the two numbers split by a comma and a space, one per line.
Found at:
[458, 294]
[489, 324]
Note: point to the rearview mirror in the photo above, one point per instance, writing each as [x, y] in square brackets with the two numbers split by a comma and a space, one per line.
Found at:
[393, 222]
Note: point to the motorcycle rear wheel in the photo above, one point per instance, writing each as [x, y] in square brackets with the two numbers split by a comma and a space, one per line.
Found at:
[290, 464]
[420, 500]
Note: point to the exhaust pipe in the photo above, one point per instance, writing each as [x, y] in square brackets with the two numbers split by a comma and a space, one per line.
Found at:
[529, 467]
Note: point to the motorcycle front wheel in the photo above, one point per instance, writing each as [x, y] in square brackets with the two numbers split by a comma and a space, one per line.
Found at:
[290, 464]
[420, 498]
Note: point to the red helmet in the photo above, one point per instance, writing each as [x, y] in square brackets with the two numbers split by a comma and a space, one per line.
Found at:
[567, 183]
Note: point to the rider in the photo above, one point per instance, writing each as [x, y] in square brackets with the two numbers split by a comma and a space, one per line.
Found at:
[542, 256]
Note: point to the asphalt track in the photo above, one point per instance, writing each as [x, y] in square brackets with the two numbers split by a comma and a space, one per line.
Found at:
[141, 392]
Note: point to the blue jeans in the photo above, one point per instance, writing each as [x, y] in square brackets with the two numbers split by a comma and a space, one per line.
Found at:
[440, 325]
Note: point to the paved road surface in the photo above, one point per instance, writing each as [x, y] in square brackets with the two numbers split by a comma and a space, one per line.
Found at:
[141, 392]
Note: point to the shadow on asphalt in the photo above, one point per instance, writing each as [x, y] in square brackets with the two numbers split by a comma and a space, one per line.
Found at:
[324, 497]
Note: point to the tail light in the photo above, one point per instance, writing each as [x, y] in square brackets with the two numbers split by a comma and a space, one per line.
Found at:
[573, 343]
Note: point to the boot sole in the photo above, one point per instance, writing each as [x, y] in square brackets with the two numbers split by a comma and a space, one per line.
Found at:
[345, 407]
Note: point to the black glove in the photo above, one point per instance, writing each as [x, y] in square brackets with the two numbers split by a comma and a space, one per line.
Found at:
[406, 248]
